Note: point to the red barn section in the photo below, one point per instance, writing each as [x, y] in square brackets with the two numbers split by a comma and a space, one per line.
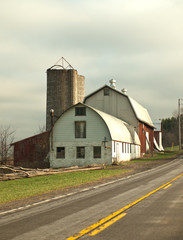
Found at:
[157, 136]
[32, 152]
[146, 135]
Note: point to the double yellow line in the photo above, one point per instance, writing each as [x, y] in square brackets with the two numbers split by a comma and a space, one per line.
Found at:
[112, 218]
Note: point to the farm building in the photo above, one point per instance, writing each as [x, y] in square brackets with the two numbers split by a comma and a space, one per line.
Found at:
[65, 87]
[84, 136]
[158, 136]
[33, 151]
[118, 104]
[108, 127]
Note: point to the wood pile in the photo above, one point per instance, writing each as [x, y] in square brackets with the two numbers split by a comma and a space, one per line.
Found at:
[12, 173]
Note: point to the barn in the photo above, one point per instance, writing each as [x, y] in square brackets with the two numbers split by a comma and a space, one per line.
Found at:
[118, 104]
[32, 152]
[84, 136]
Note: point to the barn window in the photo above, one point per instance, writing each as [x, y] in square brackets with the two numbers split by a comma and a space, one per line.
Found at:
[80, 129]
[114, 146]
[96, 152]
[60, 152]
[80, 152]
[80, 111]
[106, 91]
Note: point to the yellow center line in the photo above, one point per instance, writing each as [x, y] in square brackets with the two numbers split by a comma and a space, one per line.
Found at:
[104, 220]
[167, 186]
[104, 226]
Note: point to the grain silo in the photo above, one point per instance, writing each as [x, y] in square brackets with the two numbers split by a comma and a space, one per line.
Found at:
[64, 89]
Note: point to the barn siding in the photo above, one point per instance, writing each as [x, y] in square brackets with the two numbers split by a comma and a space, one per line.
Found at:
[143, 129]
[32, 152]
[64, 136]
[115, 104]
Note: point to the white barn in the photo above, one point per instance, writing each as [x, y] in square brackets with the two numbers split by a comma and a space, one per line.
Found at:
[118, 104]
[84, 136]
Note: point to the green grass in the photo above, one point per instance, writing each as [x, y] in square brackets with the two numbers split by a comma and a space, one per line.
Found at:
[173, 148]
[158, 156]
[28, 187]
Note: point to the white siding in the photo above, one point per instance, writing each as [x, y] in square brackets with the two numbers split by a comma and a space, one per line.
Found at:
[64, 136]
[115, 104]
[64, 129]
[70, 154]
[147, 141]
[124, 151]
[101, 129]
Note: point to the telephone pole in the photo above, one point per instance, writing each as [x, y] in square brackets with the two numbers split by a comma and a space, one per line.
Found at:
[179, 115]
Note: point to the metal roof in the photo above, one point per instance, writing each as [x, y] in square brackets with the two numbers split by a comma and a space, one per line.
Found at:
[118, 129]
[141, 113]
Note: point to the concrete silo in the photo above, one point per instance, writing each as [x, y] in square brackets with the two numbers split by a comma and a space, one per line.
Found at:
[64, 89]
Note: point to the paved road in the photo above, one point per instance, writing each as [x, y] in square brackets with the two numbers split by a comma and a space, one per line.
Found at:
[148, 205]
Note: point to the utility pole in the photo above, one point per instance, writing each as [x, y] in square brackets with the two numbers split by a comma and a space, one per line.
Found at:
[52, 124]
[179, 115]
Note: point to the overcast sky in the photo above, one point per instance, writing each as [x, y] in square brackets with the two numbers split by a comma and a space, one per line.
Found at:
[137, 42]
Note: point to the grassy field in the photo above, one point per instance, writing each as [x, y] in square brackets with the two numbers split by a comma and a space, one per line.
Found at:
[28, 187]
[158, 156]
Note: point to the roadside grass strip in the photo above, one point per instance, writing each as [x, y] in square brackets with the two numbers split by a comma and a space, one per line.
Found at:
[29, 187]
[112, 218]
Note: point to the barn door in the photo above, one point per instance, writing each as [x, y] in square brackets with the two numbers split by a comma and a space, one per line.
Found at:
[117, 152]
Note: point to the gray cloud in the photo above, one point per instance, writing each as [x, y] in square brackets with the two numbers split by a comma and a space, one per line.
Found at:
[137, 42]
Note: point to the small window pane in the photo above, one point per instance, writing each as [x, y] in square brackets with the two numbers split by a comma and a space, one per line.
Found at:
[80, 111]
[60, 152]
[80, 152]
[124, 147]
[80, 129]
[106, 91]
[97, 152]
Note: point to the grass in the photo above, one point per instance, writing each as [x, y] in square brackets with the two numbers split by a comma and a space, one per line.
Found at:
[173, 148]
[28, 187]
[158, 156]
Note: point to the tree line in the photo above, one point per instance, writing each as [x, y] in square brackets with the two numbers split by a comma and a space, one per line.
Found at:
[170, 131]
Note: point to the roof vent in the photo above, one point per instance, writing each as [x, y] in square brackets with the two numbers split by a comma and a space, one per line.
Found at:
[113, 83]
[124, 91]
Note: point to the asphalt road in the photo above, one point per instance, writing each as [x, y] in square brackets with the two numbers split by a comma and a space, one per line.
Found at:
[148, 205]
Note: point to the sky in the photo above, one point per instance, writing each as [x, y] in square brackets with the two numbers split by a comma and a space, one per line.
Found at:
[139, 43]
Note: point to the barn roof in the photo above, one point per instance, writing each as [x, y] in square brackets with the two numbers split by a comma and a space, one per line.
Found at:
[141, 113]
[119, 130]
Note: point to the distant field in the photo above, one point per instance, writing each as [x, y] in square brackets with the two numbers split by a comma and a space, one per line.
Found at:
[158, 156]
[173, 148]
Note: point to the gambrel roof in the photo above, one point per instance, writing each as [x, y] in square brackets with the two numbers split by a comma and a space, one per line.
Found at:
[140, 112]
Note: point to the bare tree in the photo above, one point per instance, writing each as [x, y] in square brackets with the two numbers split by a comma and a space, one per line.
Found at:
[42, 128]
[6, 139]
